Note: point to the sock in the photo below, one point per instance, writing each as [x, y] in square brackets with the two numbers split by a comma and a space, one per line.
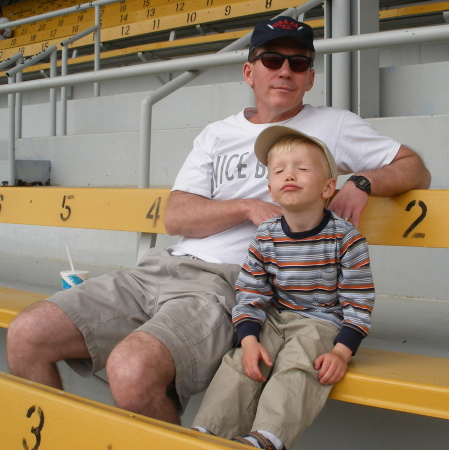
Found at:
[272, 438]
[202, 430]
[253, 441]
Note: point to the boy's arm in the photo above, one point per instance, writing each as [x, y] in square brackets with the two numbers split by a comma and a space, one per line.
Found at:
[355, 289]
[253, 291]
[332, 366]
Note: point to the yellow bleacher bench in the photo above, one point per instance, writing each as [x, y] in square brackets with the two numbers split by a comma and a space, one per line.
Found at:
[41, 417]
[398, 381]
[118, 209]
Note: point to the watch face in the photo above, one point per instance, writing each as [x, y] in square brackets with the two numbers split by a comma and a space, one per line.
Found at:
[362, 183]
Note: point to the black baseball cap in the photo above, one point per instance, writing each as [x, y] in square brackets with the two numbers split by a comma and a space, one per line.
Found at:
[281, 26]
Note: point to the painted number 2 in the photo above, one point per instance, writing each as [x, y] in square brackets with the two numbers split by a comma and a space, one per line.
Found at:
[423, 214]
[35, 430]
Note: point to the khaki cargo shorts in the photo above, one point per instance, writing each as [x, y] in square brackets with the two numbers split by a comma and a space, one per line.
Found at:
[184, 302]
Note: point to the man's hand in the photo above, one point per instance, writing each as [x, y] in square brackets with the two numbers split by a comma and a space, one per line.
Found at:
[349, 203]
[253, 351]
[405, 172]
[194, 216]
[260, 211]
[332, 366]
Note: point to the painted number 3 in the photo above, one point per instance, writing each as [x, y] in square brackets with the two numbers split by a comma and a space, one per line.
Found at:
[35, 430]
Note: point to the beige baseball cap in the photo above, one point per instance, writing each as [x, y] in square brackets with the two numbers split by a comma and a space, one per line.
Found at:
[268, 137]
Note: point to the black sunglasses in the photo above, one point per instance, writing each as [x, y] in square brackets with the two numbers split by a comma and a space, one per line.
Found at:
[274, 60]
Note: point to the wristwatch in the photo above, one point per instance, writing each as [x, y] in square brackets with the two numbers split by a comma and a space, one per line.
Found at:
[361, 182]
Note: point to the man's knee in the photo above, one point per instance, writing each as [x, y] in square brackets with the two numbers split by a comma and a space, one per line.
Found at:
[141, 358]
[40, 327]
[25, 327]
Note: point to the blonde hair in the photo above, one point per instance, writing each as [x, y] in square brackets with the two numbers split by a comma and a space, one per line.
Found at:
[288, 143]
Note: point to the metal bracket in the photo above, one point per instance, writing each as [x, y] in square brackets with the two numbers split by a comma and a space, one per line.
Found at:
[446, 16]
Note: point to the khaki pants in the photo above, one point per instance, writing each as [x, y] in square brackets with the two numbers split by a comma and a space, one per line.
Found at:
[183, 302]
[292, 397]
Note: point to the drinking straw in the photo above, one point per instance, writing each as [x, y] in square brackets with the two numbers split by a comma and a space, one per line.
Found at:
[70, 259]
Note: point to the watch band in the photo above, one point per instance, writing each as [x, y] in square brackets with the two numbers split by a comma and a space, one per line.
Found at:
[361, 182]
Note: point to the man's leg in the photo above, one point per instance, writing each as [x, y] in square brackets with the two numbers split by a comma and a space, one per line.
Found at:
[40, 337]
[141, 372]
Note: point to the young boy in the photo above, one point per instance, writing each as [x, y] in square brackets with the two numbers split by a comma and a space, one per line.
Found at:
[304, 299]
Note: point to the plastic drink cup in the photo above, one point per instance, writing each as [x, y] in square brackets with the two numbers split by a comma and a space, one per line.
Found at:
[71, 278]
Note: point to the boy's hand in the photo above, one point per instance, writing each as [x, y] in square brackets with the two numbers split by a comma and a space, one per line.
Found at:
[332, 366]
[253, 351]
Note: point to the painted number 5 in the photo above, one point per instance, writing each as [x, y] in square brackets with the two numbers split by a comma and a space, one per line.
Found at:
[35, 430]
[68, 211]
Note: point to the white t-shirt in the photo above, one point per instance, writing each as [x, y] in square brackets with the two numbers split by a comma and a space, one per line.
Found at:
[7, 31]
[222, 166]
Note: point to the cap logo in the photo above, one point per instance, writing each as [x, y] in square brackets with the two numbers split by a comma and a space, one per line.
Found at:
[285, 25]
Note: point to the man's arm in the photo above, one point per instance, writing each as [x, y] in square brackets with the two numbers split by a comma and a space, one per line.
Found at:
[405, 172]
[195, 216]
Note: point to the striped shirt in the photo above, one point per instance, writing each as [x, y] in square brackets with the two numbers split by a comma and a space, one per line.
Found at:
[322, 273]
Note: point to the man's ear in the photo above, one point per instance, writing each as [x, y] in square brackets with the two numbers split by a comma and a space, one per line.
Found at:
[311, 80]
[248, 73]
[329, 189]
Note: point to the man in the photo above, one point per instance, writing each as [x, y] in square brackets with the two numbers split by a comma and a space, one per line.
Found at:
[6, 32]
[162, 328]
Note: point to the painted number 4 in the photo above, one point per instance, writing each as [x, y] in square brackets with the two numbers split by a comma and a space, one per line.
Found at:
[153, 213]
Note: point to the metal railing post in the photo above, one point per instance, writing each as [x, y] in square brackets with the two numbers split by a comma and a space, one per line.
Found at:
[341, 62]
[29, 62]
[53, 62]
[97, 49]
[12, 98]
[12, 135]
[19, 79]
[64, 69]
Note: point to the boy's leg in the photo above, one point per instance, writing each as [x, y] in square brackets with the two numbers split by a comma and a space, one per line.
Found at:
[231, 401]
[293, 396]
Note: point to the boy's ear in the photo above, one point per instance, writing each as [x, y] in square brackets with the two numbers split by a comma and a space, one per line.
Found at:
[329, 189]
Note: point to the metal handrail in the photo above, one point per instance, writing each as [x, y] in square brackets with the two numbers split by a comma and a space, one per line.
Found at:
[194, 64]
[57, 13]
[436, 33]
[15, 75]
